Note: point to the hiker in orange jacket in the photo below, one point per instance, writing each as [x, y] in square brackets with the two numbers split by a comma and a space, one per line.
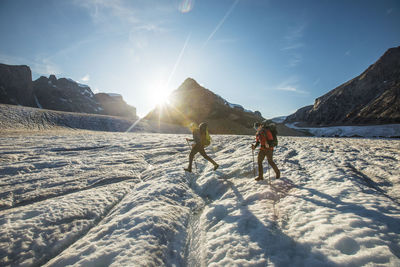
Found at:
[265, 138]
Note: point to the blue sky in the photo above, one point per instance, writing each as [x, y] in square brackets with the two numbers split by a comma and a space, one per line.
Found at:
[267, 55]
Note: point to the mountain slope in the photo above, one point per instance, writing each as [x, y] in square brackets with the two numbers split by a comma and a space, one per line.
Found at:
[24, 119]
[194, 103]
[17, 88]
[373, 97]
[16, 85]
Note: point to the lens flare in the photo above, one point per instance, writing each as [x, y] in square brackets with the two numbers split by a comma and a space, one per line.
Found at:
[186, 6]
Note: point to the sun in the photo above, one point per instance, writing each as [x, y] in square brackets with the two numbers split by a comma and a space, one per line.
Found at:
[160, 96]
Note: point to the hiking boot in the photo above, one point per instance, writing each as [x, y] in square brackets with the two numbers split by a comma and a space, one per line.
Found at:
[259, 179]
[188, 170]
[216, 167]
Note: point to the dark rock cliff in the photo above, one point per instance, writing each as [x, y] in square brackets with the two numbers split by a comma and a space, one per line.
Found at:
[373, 97]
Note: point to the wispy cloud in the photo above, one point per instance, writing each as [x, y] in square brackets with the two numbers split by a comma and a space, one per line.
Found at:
[39, 65]
[293, 42]
[295, 33]
[295, 59]
[293, 46]
[143, 16]
[389, 11]
[291, 85]
[85, 78]
[227, 14]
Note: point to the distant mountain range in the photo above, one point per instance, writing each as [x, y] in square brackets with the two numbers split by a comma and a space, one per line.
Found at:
[17, 88]
[373, 97]
[194, 103]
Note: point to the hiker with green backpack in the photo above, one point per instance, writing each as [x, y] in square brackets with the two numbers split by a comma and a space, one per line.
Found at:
[266, 136]
[201, 139]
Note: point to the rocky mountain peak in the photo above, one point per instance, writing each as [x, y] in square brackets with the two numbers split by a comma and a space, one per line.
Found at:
[189, 83]
[373, 97]
[193, 103]
[53, 78]
[16, 85]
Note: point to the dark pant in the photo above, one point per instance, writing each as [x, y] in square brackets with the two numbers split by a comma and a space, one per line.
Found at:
[261, 157]
[200, 149]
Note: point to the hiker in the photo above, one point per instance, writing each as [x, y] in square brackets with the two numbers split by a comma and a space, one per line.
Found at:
[265, 137]
[201, 139]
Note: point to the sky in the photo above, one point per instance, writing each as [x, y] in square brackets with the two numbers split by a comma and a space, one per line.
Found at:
[266, 55]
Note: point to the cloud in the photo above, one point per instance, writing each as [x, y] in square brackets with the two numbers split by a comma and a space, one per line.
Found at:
[39, 65]
[221, 22]
[295, 33]
[139, 16]
[85, 78]
[291, 85]
[348, 53]
[292, 46]
[389, 11]
[292, 89]
[45, 66]
[293, 42]
[295, 60]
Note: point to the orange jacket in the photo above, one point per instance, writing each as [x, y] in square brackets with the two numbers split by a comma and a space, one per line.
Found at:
[262, 136]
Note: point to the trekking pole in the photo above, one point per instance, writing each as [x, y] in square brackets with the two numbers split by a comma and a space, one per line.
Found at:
[254, 169]
[269, 174]
[195, 165]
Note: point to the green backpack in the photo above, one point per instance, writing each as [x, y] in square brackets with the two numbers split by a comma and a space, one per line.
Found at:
[204, 135]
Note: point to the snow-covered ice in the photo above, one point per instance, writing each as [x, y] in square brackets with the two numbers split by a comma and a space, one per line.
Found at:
[123, 199]
[385, 130]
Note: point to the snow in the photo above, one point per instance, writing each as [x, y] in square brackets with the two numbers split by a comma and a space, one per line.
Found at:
[387, 130]
[280, 119]
[87, 92]
[237, 106]
[122, 199]
[37, 102]
[114, 95]
[79, 84]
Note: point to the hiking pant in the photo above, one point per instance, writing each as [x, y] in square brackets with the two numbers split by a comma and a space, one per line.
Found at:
[261, 156]
[200, 149]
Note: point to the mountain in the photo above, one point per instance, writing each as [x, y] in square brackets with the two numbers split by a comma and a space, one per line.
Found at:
[373, 97]
[17, 88]
[65, 95]
[114, 104]
[16, 85]
[194, 103]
